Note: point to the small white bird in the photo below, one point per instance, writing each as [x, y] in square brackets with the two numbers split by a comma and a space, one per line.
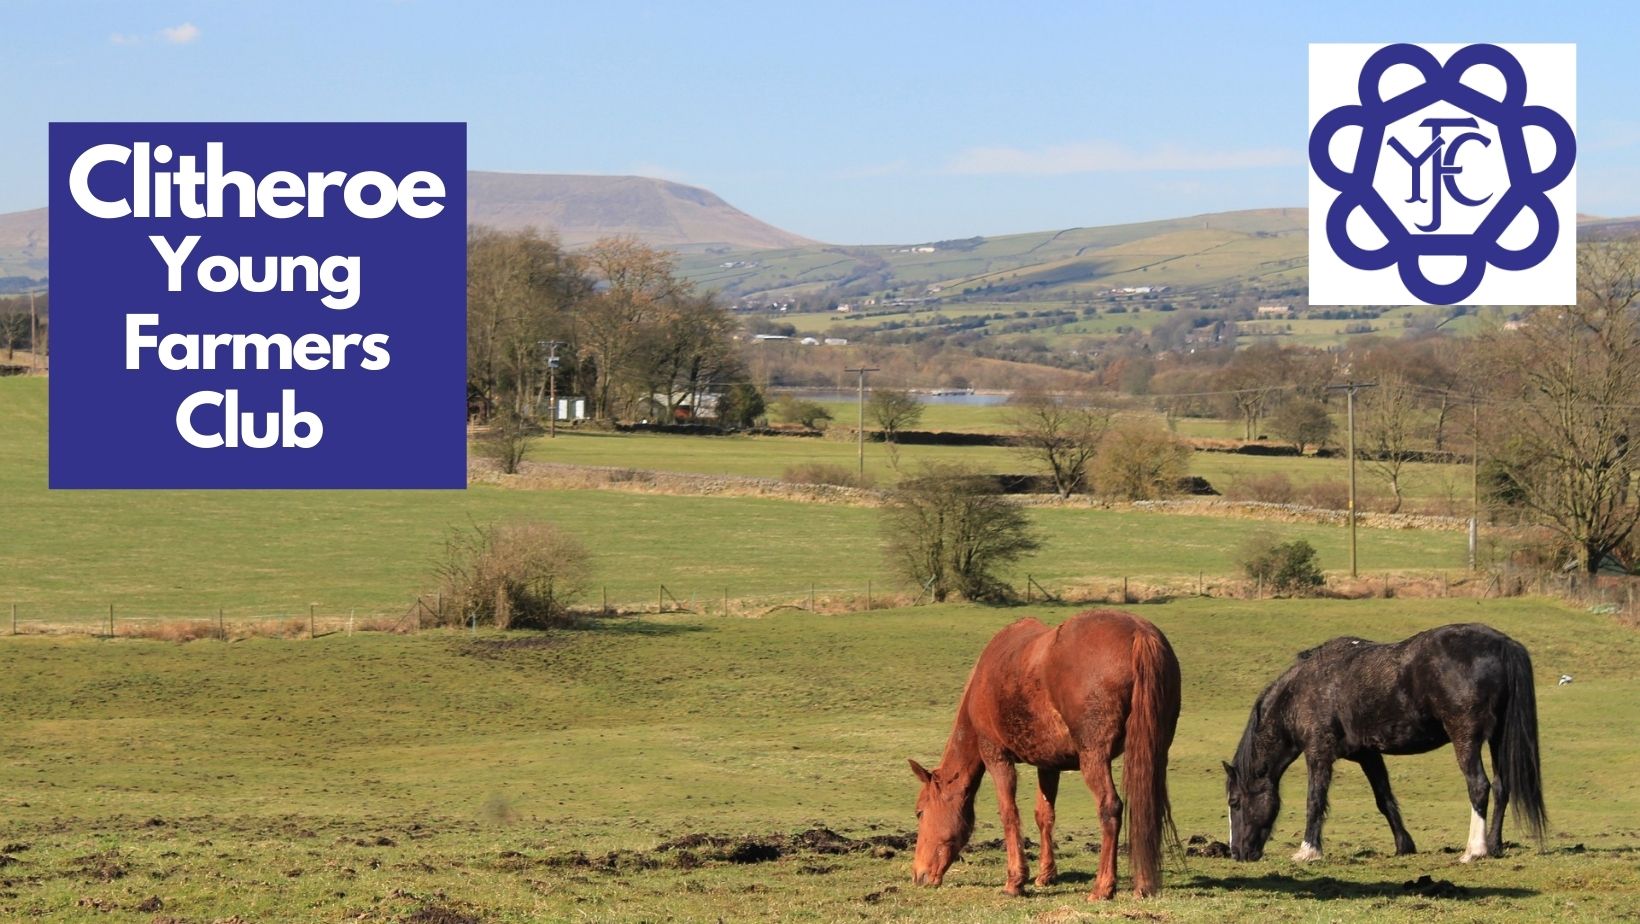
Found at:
[1564, 679]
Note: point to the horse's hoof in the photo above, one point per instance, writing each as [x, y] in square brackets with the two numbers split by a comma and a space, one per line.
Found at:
[1471, 857]
[1045, 879]
[1016, 891]
[1102, 893]
[1306, 853]
[1406, 850]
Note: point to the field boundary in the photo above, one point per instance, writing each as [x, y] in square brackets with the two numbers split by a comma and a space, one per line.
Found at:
[1605, 594]
[567, 476]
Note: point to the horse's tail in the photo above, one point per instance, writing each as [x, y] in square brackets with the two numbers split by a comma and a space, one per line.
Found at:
[1516, 760]
[1151, 720]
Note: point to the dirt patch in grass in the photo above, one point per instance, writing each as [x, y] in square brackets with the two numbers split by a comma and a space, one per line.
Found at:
[494, 648]
[1200, 845]
[698, 849]
[1430, 887]
[438, 914]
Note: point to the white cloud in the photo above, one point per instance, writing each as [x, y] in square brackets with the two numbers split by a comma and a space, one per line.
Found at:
[1113, 157]
[180, 35]
[183, 34]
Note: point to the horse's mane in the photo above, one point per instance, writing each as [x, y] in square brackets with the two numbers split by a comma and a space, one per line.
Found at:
[1341, 643]
[1308, 661]
[1243, 761]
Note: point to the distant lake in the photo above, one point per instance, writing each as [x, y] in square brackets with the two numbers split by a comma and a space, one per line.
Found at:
[850, 394]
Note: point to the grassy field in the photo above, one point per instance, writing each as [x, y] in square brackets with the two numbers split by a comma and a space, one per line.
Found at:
[770, 456]
[443, 778]
[69, 554]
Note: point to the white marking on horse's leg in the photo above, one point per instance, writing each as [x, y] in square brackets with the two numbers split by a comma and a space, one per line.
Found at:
[1477, 838]
[1306, 852]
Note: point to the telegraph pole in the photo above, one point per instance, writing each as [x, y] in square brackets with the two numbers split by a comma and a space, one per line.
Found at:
[861, 432]
[33, 336]
[1349, 389]
[1475, 482]
[552, 385]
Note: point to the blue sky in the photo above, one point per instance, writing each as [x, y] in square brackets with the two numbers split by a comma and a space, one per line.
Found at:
[851, 123]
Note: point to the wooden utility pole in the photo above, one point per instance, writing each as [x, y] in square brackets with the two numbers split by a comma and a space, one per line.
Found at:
[1349, 389]
[1475, 483]
[552, 385]
[861, 432]
[33, 336]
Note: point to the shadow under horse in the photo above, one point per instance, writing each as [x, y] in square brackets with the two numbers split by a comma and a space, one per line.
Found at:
[1349, 698]
[1066, 698]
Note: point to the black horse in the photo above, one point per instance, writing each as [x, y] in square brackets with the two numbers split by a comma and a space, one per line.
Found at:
[1359, 700]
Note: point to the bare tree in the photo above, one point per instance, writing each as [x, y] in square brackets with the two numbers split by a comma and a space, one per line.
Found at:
[893, 411]
[513, 575]
[687, 351]
[1060, 433]
[508, 439]
[13, 330]
[1433, 365]
[637, 284]
[948, 531]
[1567, 429]
[1252, 379]
[1387, 421]
[1302, 422]
[521, 289]
[1140, 460]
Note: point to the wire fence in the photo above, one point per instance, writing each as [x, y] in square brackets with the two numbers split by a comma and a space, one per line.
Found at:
[1601, 594]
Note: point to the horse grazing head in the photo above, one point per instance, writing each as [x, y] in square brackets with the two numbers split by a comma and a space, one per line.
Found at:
[945, 820]
[1255, 800]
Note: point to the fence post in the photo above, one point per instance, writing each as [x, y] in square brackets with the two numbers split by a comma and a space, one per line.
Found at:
[605, 611]
[221, 627]
[726, 601]
[14, 619]
[439, 612]
[310, 620]
[1124, 590]
[1027, 588]
[110, 620]
[868, 600]
[660, 600]
[811, 596]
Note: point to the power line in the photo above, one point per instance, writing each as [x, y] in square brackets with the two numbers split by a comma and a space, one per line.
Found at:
[1231, 391]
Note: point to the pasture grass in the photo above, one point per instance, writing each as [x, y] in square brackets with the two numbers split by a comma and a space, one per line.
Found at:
[184, 554]
[524, 777]
[770, 456]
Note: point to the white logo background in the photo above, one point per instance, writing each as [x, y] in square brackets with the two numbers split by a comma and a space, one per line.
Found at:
[1551, 75]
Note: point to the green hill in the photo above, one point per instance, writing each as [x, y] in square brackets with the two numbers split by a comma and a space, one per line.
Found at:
[1262, 245]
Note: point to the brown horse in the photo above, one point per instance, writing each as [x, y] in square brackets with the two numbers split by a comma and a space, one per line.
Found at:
[1063, 698]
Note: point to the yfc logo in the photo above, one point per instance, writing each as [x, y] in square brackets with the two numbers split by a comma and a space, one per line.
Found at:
[1443, 174]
